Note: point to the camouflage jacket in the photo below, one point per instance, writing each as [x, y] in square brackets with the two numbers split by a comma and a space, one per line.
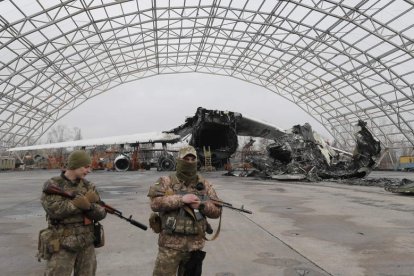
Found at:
[165, 198]
[65, 218]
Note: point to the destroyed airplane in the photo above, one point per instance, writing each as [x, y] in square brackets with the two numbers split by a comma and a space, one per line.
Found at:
[296, 154]
[217, 131]
[302, 154]
[299, 153]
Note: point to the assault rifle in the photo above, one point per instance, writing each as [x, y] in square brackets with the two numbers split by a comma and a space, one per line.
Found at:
[221, 203]
[217, 202]
[54, 190]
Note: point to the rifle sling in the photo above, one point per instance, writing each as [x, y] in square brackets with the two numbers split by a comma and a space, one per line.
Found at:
[218, 229]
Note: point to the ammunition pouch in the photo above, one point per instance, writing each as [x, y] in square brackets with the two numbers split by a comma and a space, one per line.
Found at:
[98, 235]
[195, 264]
[155, 222]
[48, 244]
[180, 222]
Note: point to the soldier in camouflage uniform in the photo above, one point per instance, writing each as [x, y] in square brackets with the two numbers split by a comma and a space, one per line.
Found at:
[69, 245]
[183, 222]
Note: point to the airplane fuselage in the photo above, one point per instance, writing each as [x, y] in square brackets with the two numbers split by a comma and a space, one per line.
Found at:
[214, 131]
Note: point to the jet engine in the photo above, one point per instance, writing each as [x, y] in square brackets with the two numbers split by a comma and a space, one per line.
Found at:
[166, 162]
[121, 163]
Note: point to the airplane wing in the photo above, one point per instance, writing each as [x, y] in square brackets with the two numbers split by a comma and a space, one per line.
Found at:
[142, 138]
[243, 125]
[247, 126]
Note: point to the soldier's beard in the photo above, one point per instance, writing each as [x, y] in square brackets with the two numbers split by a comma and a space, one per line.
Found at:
[186, 171]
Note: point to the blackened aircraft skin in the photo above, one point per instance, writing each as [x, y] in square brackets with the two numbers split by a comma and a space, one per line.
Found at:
[299, 155]
[218, 130]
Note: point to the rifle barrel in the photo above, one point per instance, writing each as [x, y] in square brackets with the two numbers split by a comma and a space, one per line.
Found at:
[215, 201]
[136, 223]
[53, 190]
[118, 213]
[238, 209]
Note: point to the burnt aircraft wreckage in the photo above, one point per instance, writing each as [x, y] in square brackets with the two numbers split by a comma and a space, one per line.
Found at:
[299, 153]
[404, 186]
[217, 131]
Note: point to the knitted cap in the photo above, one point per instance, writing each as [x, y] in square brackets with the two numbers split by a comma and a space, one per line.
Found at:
[186, 151]
[78, 159]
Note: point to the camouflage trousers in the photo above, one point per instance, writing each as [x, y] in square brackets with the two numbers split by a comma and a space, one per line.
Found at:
[170, 262]
[82, 263]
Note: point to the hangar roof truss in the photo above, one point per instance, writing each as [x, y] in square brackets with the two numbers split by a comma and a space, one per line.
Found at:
[340, 61]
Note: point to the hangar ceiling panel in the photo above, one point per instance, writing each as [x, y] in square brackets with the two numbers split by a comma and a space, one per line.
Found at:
[340, 61]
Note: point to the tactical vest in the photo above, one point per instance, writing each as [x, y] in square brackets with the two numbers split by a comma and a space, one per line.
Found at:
[183, 220]
[82, 188]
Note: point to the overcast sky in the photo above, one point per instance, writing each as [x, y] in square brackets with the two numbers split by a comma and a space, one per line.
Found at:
[163, 102]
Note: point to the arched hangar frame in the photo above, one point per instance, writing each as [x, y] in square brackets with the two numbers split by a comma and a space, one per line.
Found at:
[340, 61]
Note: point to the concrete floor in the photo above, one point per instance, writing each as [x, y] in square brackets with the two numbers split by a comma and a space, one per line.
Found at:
[296, 228]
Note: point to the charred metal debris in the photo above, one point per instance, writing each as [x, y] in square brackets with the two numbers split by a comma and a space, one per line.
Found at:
[301, 154]
[403, 186]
